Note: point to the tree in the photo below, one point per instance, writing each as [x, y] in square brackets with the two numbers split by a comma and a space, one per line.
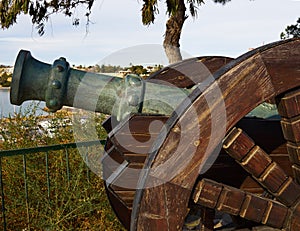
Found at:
[5, 79]
[39, 11]
[291, 31]
[138, 70]
[176, 10]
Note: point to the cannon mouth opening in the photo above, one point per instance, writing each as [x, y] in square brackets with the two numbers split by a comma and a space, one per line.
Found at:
[15, 91]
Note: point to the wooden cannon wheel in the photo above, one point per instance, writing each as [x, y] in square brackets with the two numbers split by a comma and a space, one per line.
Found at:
[119, 153]
[164, 194]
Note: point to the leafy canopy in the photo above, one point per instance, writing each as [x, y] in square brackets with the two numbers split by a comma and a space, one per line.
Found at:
[150, 8]
[40, 10]
[292, 31]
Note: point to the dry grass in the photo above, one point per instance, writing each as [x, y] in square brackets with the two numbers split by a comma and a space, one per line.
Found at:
[77, 202]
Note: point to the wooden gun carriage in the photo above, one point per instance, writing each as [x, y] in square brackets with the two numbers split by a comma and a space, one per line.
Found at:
[210, 154]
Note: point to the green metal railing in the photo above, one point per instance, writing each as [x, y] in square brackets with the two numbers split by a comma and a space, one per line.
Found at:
[24, 154]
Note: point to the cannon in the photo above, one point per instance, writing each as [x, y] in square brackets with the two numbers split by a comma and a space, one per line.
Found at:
[224, 138]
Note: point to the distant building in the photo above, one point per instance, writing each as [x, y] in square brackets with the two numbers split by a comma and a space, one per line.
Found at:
[123, 73]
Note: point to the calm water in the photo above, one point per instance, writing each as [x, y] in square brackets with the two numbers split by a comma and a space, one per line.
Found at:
[6, 108]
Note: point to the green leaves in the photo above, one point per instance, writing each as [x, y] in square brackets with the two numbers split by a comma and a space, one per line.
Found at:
[150, 8]
[148, 11]
[193, 6]
[292, 31]
[39, 10]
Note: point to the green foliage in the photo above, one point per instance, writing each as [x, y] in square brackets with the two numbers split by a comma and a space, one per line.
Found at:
[150, 8]
[292, 31]
[101, 69]
[193, 6]
[138, 70]
[4, 79]
[74, 201]
[39, 11]
[108, 68]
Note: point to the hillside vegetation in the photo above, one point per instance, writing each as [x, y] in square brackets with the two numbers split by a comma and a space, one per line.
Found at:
[58, 190]
[5, 76]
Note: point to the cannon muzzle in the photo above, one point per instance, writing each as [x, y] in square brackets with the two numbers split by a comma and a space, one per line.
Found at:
[59, 85]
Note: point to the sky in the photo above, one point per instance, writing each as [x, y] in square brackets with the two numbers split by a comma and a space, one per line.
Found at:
[117, 36]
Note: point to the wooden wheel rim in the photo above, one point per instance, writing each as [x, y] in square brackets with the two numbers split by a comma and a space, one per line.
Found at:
[270, 71]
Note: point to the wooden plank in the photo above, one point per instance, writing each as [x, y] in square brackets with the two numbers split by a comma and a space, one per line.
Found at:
[238, 144]
[289, 108]
[268, 173]
[208, 193]
[142, 124]
[135, 157]
[295, 221]
[294, 151]
[283, 64]
[256, 161]
[128, 178]
[111, 161]
[289, 193]
[273, 177]
[225, 202]
[189, 72]
[275, 215]
[288, 104]
[126, 196]
[236, 202]
[268, 135]
[137, 134]
[122, 211]
[253, 208]
[153, 217]
[251, 186]
[133, 143]
[291, 128]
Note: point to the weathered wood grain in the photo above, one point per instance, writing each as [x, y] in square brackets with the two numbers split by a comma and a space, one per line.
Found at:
[289, 109]
[239, 203]
[189, 72]
[141, 130]
[244, 83]
[266, 172]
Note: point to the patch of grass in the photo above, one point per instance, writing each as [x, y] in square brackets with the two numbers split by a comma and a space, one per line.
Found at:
[54, 190]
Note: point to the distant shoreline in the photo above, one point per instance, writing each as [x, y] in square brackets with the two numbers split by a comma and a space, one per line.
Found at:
[4, 88]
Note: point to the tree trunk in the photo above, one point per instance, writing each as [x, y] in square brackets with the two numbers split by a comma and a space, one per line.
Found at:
[173, 32]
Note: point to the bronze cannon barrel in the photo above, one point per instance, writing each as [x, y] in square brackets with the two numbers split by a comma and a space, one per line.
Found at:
[59, 85]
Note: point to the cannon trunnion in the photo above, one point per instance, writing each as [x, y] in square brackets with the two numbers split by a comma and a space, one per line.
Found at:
[210, 154]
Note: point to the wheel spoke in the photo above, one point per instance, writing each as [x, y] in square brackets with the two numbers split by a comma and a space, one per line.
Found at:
[236, 202]
[262, 168]
[289, 108]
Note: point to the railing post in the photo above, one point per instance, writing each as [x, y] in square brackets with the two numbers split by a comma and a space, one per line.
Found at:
[47, 174]
[26, 190]
[68, 165]
[2, 197]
